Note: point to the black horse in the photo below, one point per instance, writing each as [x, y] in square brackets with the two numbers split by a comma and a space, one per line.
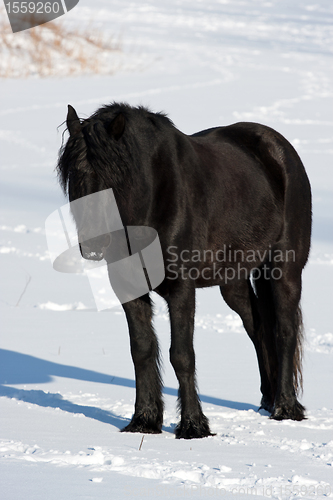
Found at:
[232, 207]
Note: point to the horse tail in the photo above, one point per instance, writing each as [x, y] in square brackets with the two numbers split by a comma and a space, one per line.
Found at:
[289, 172]
[298, 355]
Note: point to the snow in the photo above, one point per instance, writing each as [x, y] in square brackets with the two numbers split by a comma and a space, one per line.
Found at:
[67, 379]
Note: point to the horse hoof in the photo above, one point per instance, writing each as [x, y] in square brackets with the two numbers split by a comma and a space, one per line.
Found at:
[265, 404]
[144, 423]
[193, 428]
[294, 411]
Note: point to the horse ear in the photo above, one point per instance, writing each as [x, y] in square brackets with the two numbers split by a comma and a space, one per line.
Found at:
[117, 126]
[73, 122]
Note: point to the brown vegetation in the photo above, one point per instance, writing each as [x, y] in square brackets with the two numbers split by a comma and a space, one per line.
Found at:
[54, 49]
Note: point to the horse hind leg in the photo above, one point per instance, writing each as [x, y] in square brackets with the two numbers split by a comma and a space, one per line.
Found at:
[257, 321]
[288, 337]
[263, 304]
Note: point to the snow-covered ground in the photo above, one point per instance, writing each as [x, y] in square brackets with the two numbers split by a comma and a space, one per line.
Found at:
[67, 380]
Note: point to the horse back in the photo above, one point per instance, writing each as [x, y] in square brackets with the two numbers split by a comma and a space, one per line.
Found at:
[272, 153]
[269, 164]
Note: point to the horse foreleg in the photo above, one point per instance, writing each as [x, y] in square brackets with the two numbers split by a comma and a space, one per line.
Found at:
[148, 415]
[193, 423]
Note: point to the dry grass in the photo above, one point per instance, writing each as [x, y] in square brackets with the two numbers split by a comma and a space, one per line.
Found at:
[53, 49]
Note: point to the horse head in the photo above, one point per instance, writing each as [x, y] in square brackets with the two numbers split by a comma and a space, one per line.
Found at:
[92, 202]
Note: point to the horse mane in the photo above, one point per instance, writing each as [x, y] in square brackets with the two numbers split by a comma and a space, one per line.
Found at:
[94, 151]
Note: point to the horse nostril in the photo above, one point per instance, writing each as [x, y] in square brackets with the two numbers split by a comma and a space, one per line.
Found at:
[81, 250]
[107, 241]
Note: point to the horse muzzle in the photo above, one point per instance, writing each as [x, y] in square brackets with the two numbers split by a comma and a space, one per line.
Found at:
[94, 248]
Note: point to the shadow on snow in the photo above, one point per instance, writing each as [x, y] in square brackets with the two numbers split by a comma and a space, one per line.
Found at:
[17, 368]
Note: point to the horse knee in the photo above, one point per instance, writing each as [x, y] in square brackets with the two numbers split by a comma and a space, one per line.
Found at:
[143, 351]
[182, 360]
